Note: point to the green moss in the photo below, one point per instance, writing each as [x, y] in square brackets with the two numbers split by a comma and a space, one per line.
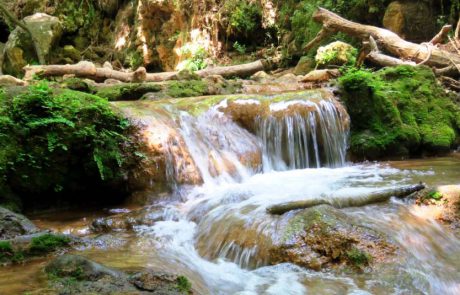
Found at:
[48, 243]
[132, 91]
[183, 284]
[6, 251]
[187, 88]
[53, 140]
[398, 111]
[358, 257]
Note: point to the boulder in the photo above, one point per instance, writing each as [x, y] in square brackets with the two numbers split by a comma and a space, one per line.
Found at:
[7, 80]
[412, 20]
[337, 53]
[304, 66]
[443, 204]
[89, 277]
[261, 77]
[318, 76]
[161, 283]
[19, 49]
[14, 224]
[126, 221]
[325, 237]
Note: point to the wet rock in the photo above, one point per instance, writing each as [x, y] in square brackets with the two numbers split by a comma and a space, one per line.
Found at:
[324, 237]
[336, 54]
[161, 283]
[443, 204]
[19, 49]
[81, 268]
[14, 224]
[412, 20]
[126, 221]
[74, 274]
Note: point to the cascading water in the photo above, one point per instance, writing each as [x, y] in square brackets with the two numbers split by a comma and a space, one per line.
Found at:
[221, 233]
[313, 137]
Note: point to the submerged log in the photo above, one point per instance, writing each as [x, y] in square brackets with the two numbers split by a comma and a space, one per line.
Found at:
[88, 70]
[391, 42]
[352, 201]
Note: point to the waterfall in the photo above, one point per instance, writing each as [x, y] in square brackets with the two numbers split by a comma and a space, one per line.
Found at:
[301, 134]
[226, 139]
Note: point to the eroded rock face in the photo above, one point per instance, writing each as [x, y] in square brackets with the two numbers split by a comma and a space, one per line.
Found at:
[20, 51]
[14, 224]
[324, 237]
[412, 20]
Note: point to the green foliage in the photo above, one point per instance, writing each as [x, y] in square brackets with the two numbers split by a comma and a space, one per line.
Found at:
[358, 257]
[399, 110]
[244, 16]
[187, 88]
[240, 48]
[435, 195]
[196, 61]
[47, 243]
[54, 140]
[6, 250]
[183, 284]
[296, 16]
[134, 59]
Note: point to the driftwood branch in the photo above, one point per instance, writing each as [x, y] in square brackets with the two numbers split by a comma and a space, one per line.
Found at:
[88, 70]
[387, 40]
[22, 25]
[442, 35]
[352, 201]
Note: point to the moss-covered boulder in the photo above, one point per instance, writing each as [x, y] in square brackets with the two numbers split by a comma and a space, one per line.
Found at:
[53, 140]
[14, 224]
[20, 51]
[74, 274]
[29, 246]
[324, 237]
[398, 111]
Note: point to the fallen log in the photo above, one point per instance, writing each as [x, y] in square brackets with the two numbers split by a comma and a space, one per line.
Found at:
[344, 202]
[88, 70]
[391, 42]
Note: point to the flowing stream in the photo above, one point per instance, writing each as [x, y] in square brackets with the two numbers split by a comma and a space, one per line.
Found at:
[218, 233]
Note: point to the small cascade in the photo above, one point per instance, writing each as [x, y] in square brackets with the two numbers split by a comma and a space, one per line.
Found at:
[228, 139]
[303, 134]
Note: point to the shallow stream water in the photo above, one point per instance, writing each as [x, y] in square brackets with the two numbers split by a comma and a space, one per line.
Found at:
[218, 233]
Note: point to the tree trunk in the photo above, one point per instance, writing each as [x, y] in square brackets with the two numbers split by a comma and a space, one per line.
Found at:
[391, 42]
[22, 25]
[352, 201]
[89, 70]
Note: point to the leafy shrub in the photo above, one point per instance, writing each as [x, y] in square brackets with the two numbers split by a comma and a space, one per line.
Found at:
[60, 141]
[244, 16]
[240, 48]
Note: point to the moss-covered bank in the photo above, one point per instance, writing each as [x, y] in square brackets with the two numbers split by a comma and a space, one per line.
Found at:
[58, 144]
[399, 111]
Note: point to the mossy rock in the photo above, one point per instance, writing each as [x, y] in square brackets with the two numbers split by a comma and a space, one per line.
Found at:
[132, 91]
[399, 111]
[325, 237]
[187, 88]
